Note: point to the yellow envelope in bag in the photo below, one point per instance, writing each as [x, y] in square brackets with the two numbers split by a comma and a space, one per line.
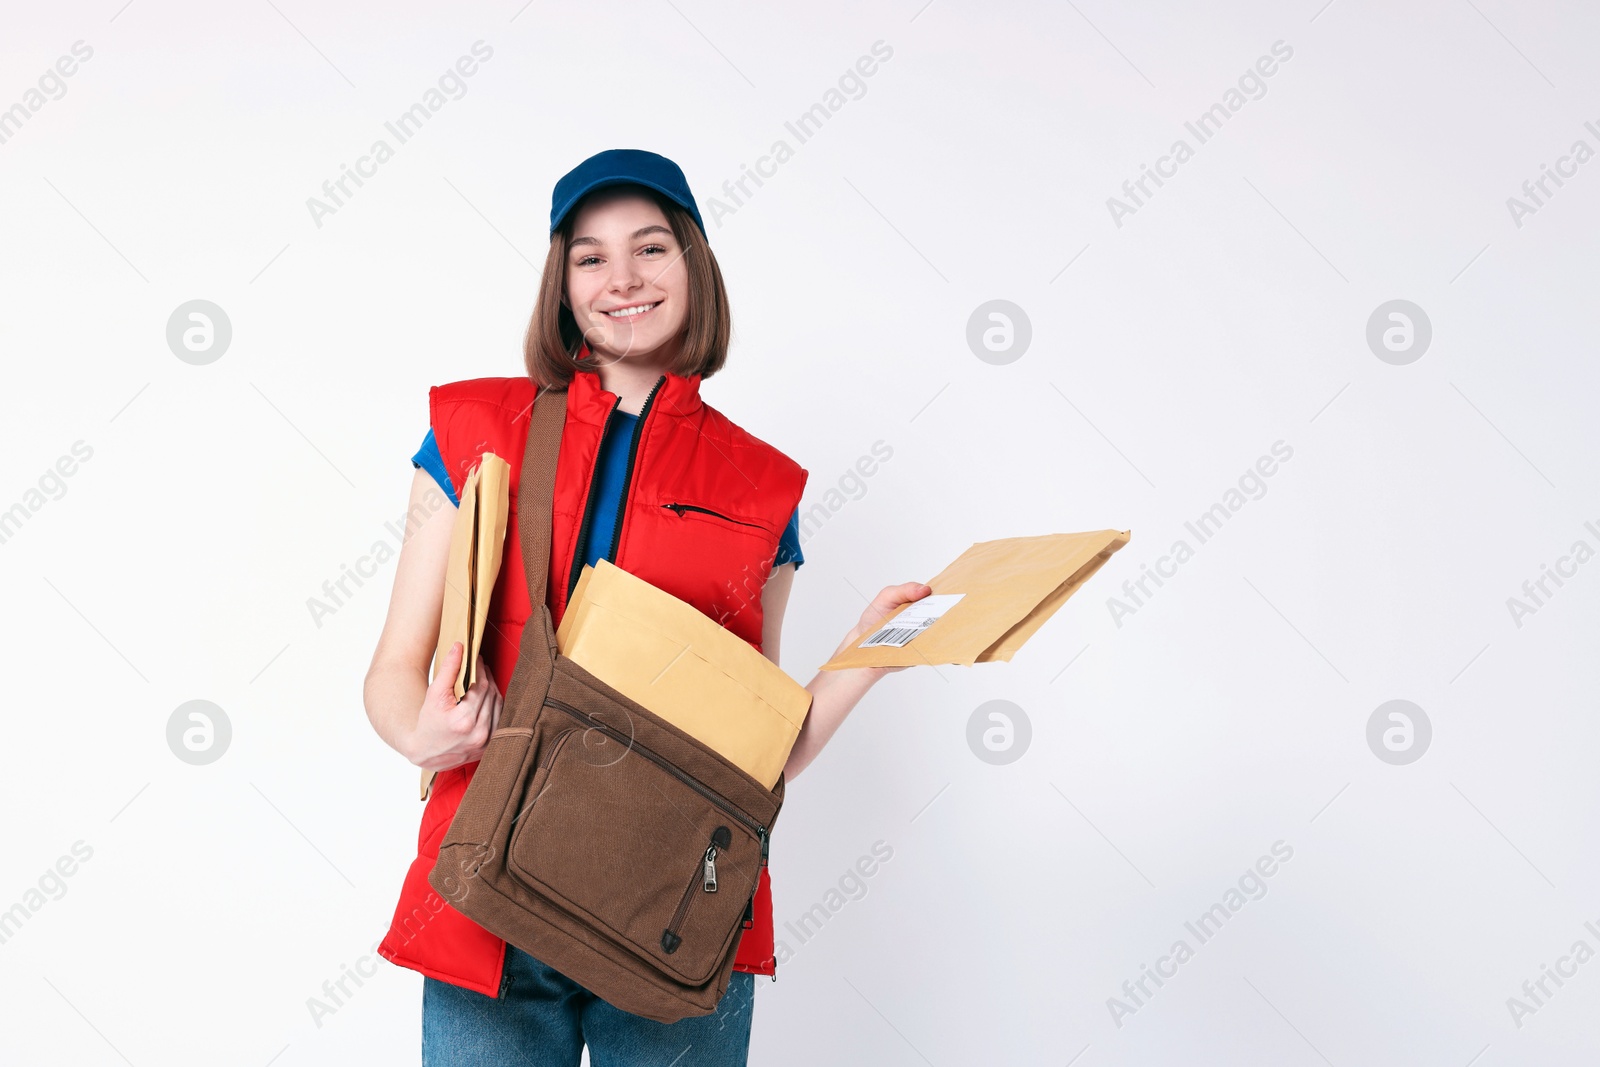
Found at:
[477, 542]
[669, 656]
[986, 604]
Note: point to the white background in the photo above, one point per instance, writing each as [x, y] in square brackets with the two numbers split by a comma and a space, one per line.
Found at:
[1228, 313]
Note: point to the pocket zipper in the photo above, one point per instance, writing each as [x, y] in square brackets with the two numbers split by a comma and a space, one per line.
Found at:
[709, 875]
[681, 508]
[706, 875]
[715, 798]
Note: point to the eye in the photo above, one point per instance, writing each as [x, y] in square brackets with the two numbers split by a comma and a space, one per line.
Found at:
[655, 248]
[585, 260]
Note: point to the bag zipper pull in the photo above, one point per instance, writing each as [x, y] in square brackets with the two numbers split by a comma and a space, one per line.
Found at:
[711, 869]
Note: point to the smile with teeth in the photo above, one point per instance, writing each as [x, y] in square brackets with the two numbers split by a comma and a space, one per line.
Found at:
[628, 313]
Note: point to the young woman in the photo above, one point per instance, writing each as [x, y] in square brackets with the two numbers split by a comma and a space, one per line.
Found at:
[631, 315]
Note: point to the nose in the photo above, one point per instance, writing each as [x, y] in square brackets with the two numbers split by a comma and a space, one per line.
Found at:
[625, 276]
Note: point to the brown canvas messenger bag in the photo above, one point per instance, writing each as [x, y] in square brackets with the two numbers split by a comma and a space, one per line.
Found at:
[595, 835]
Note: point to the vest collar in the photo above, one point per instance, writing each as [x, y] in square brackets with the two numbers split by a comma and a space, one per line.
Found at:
[679, 395]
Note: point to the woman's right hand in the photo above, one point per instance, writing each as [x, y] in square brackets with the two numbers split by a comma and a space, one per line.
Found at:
[450, 732]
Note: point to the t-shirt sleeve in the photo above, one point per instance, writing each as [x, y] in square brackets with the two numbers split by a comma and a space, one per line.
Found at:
[789, 544]
[429, 459]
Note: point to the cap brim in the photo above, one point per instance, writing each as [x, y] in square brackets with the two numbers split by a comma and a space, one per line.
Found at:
[601, 183]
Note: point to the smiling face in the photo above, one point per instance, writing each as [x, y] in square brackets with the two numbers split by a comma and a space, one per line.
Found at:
[627, 283]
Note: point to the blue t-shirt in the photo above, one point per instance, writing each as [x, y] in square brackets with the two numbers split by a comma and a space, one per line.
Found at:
[613, 468]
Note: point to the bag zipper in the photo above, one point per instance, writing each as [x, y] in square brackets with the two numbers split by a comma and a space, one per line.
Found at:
[681, 508]
[545, 760]
[716, 798]
[706, 875]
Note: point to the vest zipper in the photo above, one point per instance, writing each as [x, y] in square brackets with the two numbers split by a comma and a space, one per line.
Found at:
[715, 798]
[681, 508]
[584, 530]
[582, 542]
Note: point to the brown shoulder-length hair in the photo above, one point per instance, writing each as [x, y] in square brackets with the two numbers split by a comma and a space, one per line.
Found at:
[554, 338]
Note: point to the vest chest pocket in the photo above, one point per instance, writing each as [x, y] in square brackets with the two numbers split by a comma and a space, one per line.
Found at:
[740, 547]
[685, 510]
[710, 553]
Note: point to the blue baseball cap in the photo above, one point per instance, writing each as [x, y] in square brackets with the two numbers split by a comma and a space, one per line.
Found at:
[622, 166]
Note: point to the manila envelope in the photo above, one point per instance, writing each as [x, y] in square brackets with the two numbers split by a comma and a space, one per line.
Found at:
[477, 542]
[987, 603]
[667, 655]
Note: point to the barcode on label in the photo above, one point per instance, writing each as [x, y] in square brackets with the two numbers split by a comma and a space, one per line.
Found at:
[897, 636]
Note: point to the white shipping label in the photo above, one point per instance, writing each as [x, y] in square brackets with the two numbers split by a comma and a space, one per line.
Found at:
[912, 621]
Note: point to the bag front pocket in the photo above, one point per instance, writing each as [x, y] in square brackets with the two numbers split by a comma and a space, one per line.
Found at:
[610, 833]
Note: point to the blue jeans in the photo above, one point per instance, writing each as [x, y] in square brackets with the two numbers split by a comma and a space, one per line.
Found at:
[543, 1018]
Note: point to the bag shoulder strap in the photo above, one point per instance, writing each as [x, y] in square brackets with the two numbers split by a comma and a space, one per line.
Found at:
[535, 522]
[536, 493]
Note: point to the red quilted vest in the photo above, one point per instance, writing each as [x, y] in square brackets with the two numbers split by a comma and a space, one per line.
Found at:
[718, 559]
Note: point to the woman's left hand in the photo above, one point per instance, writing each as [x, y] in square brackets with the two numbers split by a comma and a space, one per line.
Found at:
[886, 603]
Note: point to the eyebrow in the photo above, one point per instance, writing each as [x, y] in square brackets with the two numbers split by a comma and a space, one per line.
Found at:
[634, 236]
